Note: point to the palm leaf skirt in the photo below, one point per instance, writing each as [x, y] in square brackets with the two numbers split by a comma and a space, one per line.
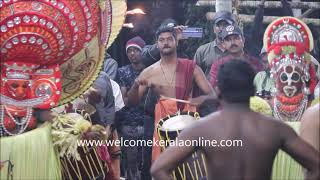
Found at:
[284, 167]
[31, 154]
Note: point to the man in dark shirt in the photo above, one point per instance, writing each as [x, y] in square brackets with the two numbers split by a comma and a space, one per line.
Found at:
[134, 122]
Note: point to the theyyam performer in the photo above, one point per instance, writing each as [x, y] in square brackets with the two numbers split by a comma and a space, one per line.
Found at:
[289, 42]
[51, 52]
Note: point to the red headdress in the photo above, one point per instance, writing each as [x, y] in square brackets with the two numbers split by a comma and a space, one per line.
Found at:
[52, 50]
[288, 42]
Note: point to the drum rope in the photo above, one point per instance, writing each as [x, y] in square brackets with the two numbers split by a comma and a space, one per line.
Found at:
[96, 168]
[174, 175]
[195, 169]
[78, 175]
[191, 173]
[65, 169]
[203, 161]
[183, 166]
[82, 165]
[86, 149]
[100, 163]
[85, 168]
[182, 175]
[181, 169]
[198, 163]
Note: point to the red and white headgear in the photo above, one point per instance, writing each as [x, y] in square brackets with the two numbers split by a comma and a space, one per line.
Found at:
[288, 40]
[58, 43]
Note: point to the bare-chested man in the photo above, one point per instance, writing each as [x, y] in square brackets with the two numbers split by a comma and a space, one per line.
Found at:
[261, 136]
[171, 78]
[310, 126]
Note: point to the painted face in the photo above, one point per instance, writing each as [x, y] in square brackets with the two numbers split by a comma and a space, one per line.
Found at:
[134, 55]
[289, 80]
[18, 89]
[166, 43]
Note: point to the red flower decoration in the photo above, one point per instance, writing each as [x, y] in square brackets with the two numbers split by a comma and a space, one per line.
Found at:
[277, 50]
[300, 49]
[291, 55]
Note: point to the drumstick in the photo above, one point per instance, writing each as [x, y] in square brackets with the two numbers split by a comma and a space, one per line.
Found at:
[174, 99]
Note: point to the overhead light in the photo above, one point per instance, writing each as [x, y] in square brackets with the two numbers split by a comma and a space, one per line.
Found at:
[128, 25]
[135, 11]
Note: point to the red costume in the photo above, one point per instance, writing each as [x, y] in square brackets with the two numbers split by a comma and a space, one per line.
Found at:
[51, 51]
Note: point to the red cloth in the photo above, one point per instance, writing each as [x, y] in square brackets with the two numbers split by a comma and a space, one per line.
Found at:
[313, 78]
[104, 153]
[111, 156]
[254, 62]
[184, 74]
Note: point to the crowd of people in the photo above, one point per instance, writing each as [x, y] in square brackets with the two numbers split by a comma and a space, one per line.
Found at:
[156, 79]
[130, 101]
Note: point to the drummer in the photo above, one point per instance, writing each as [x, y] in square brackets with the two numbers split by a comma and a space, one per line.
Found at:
[260, 135]
[171, 78]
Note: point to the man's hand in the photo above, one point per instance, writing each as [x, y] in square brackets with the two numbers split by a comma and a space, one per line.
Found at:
[93, 96]
[179, 29]
[197, 101]
[142, 82]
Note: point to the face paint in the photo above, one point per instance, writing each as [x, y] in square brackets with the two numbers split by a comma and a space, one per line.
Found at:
[289, 80]
[290, 101]
[18, 88]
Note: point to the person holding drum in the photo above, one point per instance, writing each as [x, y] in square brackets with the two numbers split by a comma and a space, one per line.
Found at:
[172, 80]
[261, 136]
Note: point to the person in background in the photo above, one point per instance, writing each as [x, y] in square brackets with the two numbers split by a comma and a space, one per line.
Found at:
[110, 66]
[100, 96]
[263, 82]
[134, 123]
[151, 54]
[233, 41]
[259, 134]
[208, 53]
